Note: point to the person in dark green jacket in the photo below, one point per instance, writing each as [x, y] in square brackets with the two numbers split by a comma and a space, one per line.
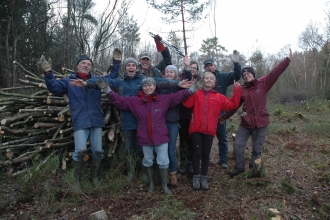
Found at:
[223, 80]
[145, 66]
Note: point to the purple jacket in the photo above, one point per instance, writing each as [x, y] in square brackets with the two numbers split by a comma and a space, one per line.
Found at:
[254, 98]
[150, 116]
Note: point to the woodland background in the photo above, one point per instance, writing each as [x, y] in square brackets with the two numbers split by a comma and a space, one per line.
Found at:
[65, 29]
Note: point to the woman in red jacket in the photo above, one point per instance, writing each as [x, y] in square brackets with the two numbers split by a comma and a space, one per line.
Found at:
[255, 116]
[206, 105]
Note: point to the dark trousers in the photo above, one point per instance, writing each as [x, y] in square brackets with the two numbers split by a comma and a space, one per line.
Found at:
[201, 145]
[185, 142]
[222, 143]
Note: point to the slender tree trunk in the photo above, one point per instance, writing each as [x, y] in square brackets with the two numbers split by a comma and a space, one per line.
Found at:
[67, 60]
[184, 29]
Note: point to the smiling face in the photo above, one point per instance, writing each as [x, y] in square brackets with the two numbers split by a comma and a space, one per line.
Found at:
[170, 74]
[84, 67]
[145, 63]
[247, 76]
[209, 67]
[193, 69]
[131, 69]
[209, 79]
[148, 88]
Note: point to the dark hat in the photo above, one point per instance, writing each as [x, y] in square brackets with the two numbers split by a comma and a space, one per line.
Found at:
[145, 55]
[250, 70]
[208, 60]
[131, 60]
[84, 57]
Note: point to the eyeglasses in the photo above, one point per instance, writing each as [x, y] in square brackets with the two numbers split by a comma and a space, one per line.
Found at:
[246, 73]
[194, 68]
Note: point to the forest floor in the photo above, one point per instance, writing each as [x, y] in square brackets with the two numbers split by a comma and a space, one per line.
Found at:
[296, 155]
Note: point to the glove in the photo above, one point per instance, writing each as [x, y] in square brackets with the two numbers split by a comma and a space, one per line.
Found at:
[160, 46]
[103, 85]
[196, 86]
[45, 66]
[116, 54]
[234, 56]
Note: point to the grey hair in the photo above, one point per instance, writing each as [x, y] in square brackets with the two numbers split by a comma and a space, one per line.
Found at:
[148, 81]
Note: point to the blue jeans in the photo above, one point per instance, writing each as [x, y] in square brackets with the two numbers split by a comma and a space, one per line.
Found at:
[222, 143]
[131, 144]
[95, 139]
[162, 155]
[241, 138]
[173, 131]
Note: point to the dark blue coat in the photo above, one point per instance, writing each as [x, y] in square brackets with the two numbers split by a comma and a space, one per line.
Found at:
[85, 103]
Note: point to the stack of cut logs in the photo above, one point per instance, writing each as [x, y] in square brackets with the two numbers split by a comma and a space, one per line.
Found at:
[39, 125]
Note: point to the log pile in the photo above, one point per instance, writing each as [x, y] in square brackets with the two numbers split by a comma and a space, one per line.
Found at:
[40, 124]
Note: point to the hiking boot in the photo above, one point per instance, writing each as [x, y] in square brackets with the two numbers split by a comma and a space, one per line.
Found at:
[224, 166]
[204, 183]
[235, 172]
[196, 182]
[173, 179]
[182, 169]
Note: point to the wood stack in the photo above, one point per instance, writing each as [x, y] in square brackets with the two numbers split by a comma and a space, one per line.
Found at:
[40, 123]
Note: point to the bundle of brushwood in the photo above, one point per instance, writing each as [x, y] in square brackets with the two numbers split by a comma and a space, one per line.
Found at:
[36, 125]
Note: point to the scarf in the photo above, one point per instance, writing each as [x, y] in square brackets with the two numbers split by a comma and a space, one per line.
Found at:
[251, 83]
[144, 98]
[83, 76]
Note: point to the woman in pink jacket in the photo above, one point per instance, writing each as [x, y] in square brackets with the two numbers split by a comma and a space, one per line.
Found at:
[255, 116]
[206, 105]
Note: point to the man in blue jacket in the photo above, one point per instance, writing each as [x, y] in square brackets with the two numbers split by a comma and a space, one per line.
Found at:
[86, 111]
[223, 80]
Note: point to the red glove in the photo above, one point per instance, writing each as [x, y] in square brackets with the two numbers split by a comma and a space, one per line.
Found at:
[160, 46]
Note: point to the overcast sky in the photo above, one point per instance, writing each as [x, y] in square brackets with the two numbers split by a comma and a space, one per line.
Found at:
[244, 24]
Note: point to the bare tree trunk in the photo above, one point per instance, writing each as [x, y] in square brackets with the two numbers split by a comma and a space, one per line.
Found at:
[184, 30]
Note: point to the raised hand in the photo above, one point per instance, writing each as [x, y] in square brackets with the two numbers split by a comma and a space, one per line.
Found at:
[45, 65]
[185, 83]
[116, 54]
[159, 45]
[234, 56]
[186, 61]
[290, 53]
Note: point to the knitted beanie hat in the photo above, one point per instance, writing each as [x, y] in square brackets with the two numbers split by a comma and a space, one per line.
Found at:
[250, 70]
[131, 60]
[84, 57]
[173, 68]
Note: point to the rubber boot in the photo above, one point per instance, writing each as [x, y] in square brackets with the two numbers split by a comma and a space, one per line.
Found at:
[150, 175]
[95, 167]
[130, 171]
[164, 179]
[78, 166]
[144, 175]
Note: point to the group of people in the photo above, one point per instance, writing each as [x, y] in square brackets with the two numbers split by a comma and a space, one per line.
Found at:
[157, 104]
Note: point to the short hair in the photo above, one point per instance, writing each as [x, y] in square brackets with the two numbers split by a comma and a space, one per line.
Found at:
[194, 62]
[148, 81]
